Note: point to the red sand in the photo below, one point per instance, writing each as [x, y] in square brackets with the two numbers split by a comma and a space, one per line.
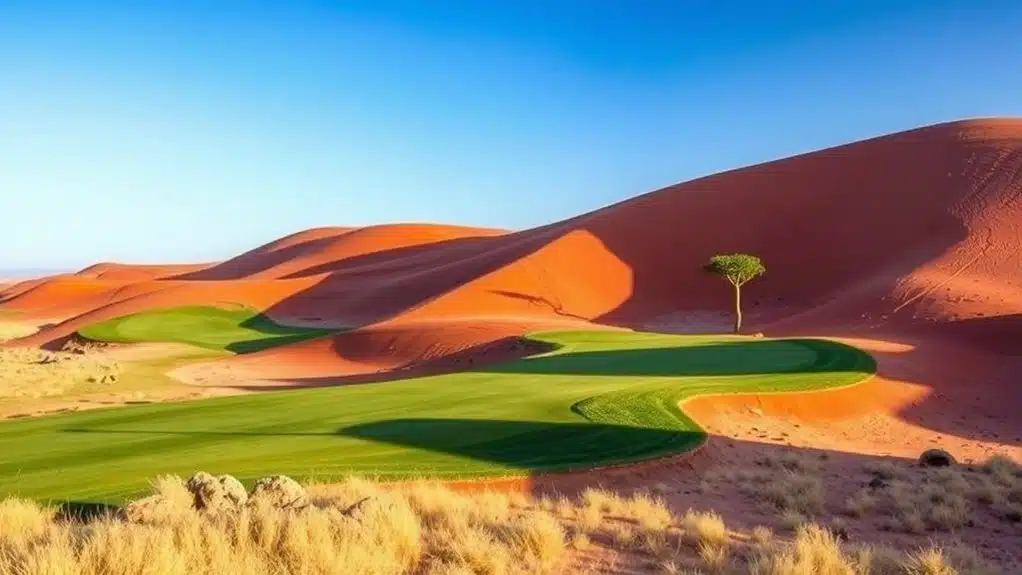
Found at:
[911, 243]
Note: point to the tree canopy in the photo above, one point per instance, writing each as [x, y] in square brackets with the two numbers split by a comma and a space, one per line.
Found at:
[736, 268]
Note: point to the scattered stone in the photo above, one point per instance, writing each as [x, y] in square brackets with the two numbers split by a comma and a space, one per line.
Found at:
[878, 483]
[150, 510]
[936, 458]
[234, 491]
[279, 491]
[216, 494]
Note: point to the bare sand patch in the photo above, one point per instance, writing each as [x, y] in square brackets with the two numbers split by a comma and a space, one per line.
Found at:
[10, 330]
[37, 382]
[27, 372]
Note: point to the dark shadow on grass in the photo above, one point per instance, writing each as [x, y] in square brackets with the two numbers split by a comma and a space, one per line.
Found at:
[721, 358]
[521, 445]
[748, 357]
[82, 511]
[276, 335]
[528, 445]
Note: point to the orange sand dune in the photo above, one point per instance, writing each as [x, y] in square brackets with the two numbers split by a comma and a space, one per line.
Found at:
[915, 236]
[137, 272]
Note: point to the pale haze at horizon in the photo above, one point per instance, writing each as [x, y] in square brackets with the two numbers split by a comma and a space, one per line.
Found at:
[192, 131]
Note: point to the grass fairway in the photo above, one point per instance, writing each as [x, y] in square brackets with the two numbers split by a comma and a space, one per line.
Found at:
[240, 330]
[600, 398]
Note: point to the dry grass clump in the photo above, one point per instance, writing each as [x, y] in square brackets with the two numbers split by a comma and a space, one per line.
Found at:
[29, 372]
[706, 527]
[815, 550]
[918, 500]
[423, 529]
[649, 512]
[788, 483]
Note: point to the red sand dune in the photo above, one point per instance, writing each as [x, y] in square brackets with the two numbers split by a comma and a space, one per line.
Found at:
[915, 235]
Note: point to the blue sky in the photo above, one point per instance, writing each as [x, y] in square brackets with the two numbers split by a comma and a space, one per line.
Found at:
[184, 130]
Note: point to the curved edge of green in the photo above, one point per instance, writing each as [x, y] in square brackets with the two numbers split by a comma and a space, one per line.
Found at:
[661, 408]
[238, 329]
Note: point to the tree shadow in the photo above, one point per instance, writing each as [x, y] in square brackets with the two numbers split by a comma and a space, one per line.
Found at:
[540, 301]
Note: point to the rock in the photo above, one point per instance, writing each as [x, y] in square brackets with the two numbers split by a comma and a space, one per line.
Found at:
[215, 494]
[279, 491]
[936, 458]
[155, 509]
[234, 491]
[878, 483]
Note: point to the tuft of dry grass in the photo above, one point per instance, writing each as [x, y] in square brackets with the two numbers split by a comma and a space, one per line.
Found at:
[815, 550]
[787, 483]
[930, 561]
[861, 503]
[706, 527]
[580, 542]
[1003, 469]
[715, 557]
[792, 520]
[761, 535]
[588, 518]
[651, 513]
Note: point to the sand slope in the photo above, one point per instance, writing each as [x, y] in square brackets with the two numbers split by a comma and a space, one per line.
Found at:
[915, 234]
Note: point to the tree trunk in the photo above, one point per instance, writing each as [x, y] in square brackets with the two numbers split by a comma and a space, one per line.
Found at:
[738, 309]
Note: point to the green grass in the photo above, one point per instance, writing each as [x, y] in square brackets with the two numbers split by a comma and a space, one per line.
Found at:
[240, 330]
[599, 398]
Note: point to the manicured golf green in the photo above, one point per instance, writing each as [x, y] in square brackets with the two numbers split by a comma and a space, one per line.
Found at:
[239, 330]
[599, 398]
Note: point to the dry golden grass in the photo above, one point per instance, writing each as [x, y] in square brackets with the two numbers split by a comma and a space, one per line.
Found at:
[706, 527]
[788, 483]
[816, 551]
[918, 500]
[28, 372]
[422, 528]
[761, 535]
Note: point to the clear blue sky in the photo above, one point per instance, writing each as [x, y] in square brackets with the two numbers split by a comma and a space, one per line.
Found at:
[191, 130]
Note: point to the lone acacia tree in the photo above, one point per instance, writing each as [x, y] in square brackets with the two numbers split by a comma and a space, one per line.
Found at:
[737, 269]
